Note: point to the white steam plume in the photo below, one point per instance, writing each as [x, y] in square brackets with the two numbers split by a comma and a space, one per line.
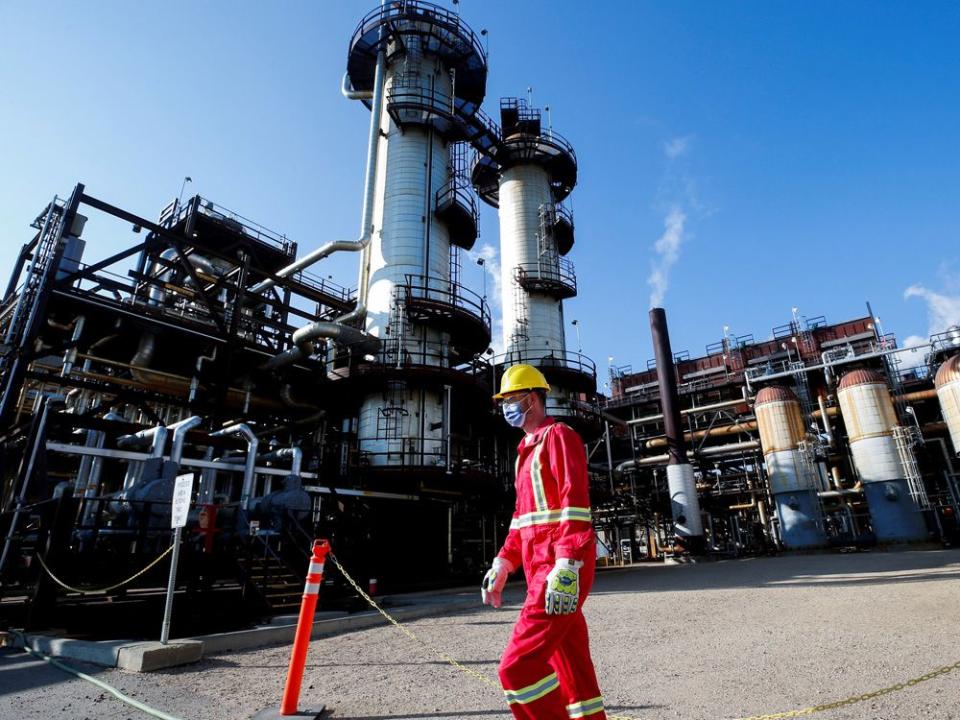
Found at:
[943, 310]
[667, 248]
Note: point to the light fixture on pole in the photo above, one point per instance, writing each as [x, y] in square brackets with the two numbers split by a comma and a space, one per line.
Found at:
[186, 180]
[576, 324]
[482, 263]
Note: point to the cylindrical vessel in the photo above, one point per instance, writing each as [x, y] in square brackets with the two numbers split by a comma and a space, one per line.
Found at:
[870, 419]
[792, 480]
[947, 383]
[530, 320]
[405, 425]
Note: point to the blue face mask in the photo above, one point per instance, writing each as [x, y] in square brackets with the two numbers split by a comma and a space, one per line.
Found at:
[514, 413]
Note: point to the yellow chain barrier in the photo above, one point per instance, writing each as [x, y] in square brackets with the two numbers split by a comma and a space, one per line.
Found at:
[852, 700]
[90, 591]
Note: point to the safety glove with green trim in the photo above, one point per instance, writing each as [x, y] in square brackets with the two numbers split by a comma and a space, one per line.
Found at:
[493, 582]
[563, 587]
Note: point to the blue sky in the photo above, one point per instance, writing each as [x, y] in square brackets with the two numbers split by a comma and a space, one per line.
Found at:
[752, 156]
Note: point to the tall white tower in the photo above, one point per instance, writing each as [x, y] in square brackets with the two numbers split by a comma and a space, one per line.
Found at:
[532, 172]
[434, 71]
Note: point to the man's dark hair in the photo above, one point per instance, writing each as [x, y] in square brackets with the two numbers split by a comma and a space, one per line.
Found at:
[542, 394]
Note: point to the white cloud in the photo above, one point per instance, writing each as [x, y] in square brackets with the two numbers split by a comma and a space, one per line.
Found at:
[677, 147]
[943, 309]
[491, 266]
[667, 249]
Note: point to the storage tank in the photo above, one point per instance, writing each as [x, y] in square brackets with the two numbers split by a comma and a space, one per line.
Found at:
[947, 383]
[793, 482]
[868, 414]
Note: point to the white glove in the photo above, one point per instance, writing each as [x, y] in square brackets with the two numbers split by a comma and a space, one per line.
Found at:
[563, 587]
[493, 582]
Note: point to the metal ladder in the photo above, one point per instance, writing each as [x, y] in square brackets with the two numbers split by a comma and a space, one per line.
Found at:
[37, 273]
[906, 439]
[548, 257]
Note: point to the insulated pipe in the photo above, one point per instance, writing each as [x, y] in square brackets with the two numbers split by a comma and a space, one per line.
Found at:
[346, 89]
[71, 355]
[731, 429]
[158, 436]
[825, 419]
[366, 225]
[250, 464]
[304, 337]
[690, 411]
[96, 466]
[180, 430]
[684, 502]
[293, 452]
[715, 451]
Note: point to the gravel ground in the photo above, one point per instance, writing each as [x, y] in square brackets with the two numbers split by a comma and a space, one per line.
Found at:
[705, 642]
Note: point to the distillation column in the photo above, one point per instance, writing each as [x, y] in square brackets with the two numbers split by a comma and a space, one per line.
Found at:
[870, 419]
[433, 63]
[534, 170]
[793, 481]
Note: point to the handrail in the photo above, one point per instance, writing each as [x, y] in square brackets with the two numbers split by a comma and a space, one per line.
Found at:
[548, 357]
[449, 293]
[421, 11]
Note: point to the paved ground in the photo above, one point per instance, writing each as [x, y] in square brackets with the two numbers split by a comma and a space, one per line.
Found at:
[705, 642]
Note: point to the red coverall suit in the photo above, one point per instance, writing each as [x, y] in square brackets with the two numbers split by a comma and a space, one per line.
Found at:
[546, 670]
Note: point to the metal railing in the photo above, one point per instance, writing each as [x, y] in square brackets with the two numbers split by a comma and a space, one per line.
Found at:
[248, 227]
[450, 30]
[554, 273]
[458, 191]
[545, 357]
[448, 293]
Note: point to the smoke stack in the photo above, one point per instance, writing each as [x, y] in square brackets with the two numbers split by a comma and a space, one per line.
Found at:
[684, 503]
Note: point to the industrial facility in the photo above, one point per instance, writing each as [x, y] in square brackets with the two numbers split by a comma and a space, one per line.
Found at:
[214, 347]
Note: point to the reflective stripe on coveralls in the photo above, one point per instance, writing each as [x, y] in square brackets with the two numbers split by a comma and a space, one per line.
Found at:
[546, 517]
[533, 692]
[585, 708]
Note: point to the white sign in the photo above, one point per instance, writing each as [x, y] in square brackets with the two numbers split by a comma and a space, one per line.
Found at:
[182, 492]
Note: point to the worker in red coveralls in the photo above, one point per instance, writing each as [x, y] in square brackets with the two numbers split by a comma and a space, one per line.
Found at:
[546, 670]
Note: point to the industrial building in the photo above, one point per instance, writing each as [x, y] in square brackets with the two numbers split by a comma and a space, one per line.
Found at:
[212, 345]
[360, 411]
[821, 435]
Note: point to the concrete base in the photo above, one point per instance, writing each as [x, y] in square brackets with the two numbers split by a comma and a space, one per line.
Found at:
[146, 657]
[128, 655]
[274, 714]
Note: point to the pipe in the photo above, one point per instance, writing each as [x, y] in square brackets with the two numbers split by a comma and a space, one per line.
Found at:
[447, 421]
[825, 418]
[158, 436]
[346, 89]
[92, 488]
[294, 452]
[195, 380]
[332, 329]
[180, 430]
[362, 243]
[70, 358]
[732, 429]
[715, 451]
[321, 329]
[690, 411]
[250, 463]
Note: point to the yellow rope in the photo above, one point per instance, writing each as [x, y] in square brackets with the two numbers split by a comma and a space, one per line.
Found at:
[852, 700]
[62, 584]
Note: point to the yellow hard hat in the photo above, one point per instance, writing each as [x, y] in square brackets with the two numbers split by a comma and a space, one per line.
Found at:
[521, 377]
